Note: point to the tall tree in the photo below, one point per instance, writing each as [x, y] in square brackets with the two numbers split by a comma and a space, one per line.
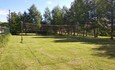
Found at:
[112, 10]
[47, 16]
[65, 11]
[15, 22]
[35, 16]
[57, 16]
[79, 13]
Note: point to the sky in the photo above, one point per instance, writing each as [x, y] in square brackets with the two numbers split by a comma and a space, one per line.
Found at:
[24, 5]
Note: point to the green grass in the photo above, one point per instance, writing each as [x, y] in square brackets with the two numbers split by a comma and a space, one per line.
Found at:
[58, 53]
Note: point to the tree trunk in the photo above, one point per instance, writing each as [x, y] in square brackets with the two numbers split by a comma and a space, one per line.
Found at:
[74, 30]
[94, 33]
[83, 33]
[86, 32]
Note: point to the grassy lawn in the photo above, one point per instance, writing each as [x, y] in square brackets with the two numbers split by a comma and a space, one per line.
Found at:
[58, 53]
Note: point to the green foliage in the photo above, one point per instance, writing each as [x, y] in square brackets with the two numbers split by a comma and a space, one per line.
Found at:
[35, 16]
[78, 11]
[4, 38]
[85, 15]
[65, 16]
[47, 16]
[57, 16]
[15, 22]
[4, 24]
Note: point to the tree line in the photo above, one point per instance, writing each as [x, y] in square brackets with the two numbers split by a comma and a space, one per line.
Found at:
[83, 17]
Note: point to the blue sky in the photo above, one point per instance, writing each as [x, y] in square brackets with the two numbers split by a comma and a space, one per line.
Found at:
[23, 5]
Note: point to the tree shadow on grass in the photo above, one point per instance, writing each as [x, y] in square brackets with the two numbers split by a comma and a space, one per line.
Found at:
[106, 48]
[87, 40]
[49, 36]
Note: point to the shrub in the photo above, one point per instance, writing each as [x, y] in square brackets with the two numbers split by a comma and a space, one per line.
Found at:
[4, 38]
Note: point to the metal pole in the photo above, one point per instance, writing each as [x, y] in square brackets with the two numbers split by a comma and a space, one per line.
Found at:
[21, 32]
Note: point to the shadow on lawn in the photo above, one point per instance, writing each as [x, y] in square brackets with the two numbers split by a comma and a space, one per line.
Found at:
[50, 36]
[106, 49]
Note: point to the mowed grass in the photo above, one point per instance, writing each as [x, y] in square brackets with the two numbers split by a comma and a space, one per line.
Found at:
[58, 53]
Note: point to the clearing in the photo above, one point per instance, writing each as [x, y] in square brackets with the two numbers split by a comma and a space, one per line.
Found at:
[58, 53]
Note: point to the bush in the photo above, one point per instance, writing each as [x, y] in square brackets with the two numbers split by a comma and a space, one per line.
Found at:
[4, 38]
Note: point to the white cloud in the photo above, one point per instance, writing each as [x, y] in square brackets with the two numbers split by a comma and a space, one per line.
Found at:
[49, 2]
[4, 12]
